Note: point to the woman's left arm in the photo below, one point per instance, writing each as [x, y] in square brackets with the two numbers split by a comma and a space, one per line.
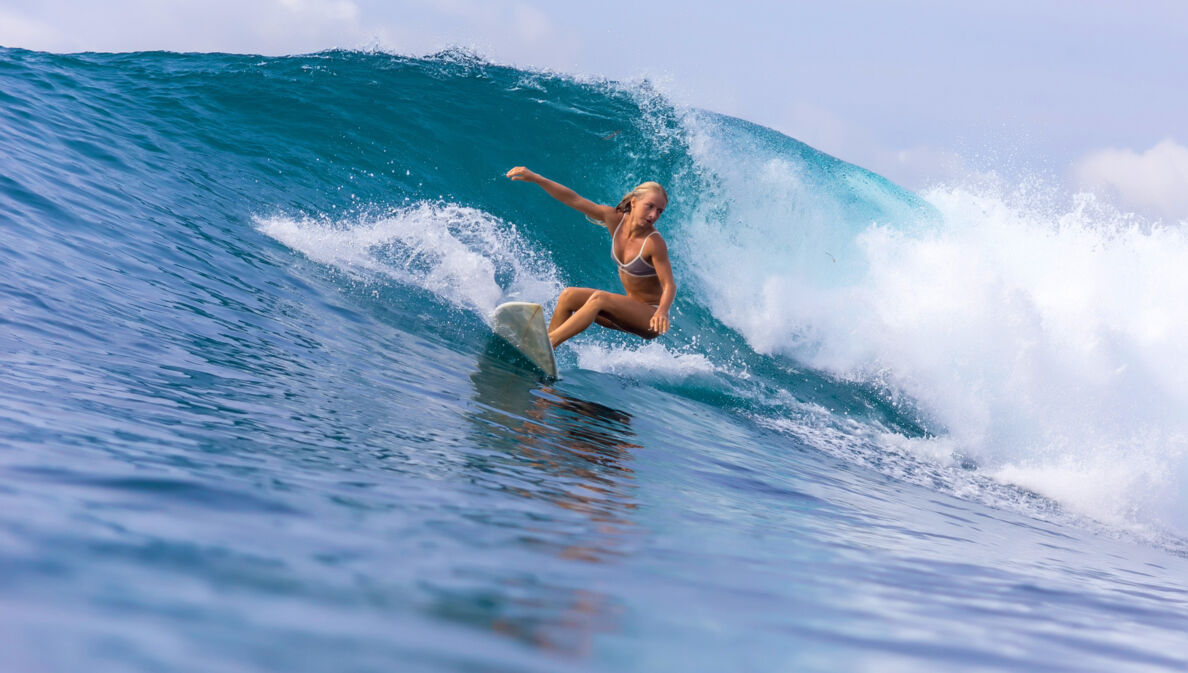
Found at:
[659, 322]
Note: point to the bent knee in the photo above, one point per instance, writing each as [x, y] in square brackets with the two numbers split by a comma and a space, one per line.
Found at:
[598, 298]
[570, 298]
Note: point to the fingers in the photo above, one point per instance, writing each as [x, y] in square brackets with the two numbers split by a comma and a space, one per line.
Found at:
[519, 173]
[658, 324]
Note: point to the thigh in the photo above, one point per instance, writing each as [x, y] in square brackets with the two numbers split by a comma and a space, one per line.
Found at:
[627, 315]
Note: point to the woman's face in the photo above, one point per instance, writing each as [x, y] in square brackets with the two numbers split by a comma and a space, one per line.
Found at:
[648, 206]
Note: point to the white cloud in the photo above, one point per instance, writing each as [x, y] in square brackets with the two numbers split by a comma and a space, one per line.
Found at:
[1155, 181]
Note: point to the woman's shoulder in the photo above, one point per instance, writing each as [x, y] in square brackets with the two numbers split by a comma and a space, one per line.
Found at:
[657, 243]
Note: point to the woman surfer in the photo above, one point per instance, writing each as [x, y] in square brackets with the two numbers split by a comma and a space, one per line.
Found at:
[647, 278]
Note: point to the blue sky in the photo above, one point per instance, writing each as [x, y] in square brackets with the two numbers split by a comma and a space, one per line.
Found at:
[1091, 93]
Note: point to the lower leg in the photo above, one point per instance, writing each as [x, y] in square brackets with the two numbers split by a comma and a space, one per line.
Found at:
[571, 299]
[560, 315]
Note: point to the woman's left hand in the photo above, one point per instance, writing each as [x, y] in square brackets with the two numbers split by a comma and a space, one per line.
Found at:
[659, 322]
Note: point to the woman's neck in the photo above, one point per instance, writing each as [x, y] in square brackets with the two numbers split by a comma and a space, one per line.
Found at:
[635, 226]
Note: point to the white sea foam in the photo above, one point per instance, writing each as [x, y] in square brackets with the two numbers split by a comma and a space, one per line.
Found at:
[1052, 346]
[1048, 344]
[651, 361]
[465, 256]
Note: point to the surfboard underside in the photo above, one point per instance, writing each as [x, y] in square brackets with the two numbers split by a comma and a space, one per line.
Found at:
[522, 325]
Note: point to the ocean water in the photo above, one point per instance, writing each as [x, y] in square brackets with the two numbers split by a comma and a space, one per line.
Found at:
[252, 417]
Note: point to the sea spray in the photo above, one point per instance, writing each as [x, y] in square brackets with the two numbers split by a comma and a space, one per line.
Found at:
[1047, 346]
[466, 257]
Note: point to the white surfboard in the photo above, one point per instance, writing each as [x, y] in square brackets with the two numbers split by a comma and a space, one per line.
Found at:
[522, 324]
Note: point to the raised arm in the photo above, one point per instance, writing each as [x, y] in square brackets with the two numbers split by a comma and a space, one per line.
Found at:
[604, 214]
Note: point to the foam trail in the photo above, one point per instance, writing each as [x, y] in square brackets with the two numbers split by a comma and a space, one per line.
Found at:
[463, 255]
[651, 360]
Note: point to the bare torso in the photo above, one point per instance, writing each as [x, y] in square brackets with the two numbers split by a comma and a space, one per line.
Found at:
[626, 245]
[647, 289]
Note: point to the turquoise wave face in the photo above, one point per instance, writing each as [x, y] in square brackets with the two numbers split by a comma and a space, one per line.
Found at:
[360, 160]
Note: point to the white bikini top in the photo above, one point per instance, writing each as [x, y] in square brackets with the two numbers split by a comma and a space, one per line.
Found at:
[638, 267]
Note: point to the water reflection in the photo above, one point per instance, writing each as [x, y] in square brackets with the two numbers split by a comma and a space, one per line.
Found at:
[571, 456]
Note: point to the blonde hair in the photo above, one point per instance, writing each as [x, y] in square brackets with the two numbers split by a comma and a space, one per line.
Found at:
[625, 205]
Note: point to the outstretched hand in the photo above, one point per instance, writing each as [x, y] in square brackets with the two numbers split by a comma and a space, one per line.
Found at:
[521, 173]
[659, 322]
